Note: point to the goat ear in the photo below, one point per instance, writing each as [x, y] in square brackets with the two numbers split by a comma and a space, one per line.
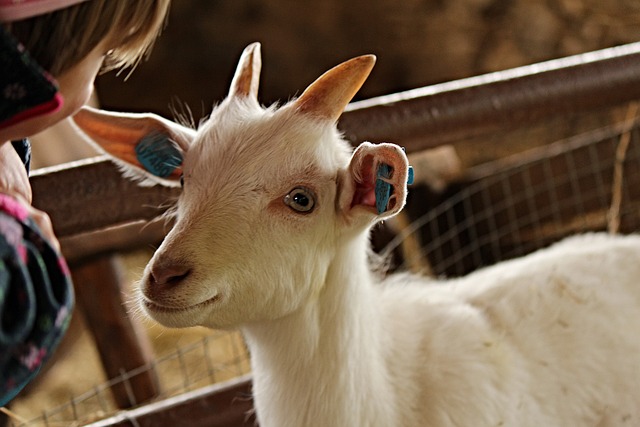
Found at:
[144, 143]
[247, 77]
[329, 95]
[374, 186]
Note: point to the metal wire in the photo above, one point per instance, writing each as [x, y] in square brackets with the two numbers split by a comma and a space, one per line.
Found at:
[531, 204]
[196, 365]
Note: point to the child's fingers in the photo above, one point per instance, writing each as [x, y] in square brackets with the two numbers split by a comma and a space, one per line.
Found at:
[43, 222]
[17, 207]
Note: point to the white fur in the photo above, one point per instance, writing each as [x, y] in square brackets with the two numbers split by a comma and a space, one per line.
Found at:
[546, 340]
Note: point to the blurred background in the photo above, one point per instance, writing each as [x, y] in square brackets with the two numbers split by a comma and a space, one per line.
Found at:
[418, 43]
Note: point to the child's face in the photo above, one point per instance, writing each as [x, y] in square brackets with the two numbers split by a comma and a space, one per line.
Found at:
[75, 84]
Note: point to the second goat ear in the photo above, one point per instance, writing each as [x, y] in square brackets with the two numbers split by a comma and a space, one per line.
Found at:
[246, 79]
[144, 142]
[375, 183]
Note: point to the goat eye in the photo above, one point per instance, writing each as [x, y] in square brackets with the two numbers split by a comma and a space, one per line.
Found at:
[182, 181]
[300, 199]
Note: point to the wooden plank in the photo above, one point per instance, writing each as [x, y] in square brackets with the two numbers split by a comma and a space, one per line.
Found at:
[434, 115]
[92, 194]
[219, 405]
[117, 239]
[119, 337]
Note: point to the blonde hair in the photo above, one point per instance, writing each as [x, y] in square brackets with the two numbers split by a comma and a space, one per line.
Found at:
[61, 39]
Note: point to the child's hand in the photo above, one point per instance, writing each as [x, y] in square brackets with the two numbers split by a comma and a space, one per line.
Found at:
[14, 182]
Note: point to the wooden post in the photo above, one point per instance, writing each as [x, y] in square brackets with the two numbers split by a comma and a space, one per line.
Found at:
[122, 344]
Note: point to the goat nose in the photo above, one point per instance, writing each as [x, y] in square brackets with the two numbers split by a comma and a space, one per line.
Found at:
[168, 274]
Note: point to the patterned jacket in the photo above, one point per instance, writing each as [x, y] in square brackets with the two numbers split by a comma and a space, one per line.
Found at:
[36, 294]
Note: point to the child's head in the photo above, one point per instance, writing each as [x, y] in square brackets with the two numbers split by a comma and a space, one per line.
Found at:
[73, 43]
[60, 39]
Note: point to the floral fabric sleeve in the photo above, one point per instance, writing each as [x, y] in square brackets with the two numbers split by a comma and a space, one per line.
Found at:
[36, 299]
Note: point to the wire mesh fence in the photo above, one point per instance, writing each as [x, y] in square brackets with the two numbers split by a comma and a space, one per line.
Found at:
[214, 358]
[589, 182]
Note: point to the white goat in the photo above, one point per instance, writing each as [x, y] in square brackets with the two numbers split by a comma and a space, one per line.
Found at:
[271, 236]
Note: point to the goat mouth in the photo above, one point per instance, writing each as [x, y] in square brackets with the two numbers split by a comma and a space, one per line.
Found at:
[158, 308]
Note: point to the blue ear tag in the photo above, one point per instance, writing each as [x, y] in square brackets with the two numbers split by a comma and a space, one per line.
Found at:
[158, 154]
[383, 189]
[409, 172]
[410, 176]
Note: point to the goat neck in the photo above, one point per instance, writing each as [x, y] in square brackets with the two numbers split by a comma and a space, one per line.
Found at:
[328, 355]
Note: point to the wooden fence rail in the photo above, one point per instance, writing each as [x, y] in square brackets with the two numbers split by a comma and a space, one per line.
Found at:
[443, 113]
[218, 405]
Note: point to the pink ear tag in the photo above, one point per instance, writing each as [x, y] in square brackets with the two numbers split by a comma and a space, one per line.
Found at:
[158, 154]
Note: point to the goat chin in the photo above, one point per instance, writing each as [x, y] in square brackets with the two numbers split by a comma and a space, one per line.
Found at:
[179, 317]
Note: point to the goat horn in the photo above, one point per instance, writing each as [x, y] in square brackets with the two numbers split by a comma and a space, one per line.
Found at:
[328, 96]
[247, 77]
